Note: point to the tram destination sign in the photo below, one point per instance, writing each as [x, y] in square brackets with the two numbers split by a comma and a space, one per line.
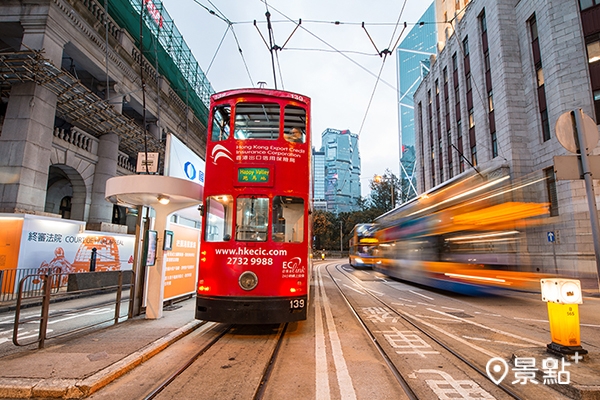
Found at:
[254, 175]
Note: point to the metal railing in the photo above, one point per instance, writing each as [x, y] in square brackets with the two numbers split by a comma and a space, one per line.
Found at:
[10, 277]
[52, 290]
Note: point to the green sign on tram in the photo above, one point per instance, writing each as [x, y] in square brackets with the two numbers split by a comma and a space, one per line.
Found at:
[253, 174]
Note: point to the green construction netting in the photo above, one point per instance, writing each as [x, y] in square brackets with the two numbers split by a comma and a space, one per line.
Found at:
[163, 44]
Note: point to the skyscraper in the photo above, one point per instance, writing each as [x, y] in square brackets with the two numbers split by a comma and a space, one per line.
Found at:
[413, 60]
[342, 170]
[318, 173]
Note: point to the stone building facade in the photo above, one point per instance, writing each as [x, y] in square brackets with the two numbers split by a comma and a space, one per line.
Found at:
[81, 98]
[505, 71]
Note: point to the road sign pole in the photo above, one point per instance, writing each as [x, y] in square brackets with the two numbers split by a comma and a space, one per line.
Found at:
[589, 185]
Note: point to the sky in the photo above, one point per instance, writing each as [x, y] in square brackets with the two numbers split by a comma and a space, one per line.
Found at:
[336, 65]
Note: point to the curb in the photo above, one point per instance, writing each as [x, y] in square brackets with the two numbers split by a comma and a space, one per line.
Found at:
[24, 388]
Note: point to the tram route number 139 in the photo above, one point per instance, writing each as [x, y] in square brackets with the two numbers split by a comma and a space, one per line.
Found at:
[296, 304]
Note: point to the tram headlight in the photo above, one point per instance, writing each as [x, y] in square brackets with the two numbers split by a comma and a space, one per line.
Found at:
[248, 280]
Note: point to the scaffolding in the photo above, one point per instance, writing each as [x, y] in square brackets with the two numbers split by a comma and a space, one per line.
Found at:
[75, 102]
[163, 46]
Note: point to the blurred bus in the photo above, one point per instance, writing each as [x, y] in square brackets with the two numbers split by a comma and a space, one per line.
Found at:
[363, 245]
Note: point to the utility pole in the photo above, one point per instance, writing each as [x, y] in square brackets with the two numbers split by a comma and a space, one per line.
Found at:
[341, 240]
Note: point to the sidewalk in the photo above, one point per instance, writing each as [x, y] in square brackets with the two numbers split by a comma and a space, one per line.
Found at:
[79, 366]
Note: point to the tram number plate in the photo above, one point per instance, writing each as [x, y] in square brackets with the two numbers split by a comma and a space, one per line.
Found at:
[296, 304]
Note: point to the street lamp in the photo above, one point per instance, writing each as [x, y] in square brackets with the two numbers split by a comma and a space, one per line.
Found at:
[341, 240]
[390, 180]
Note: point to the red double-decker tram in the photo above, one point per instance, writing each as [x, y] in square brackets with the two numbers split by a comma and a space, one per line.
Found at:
[254, 256]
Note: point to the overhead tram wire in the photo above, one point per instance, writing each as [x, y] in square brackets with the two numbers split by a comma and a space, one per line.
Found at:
[384, 53]
[271, 46]
[230, 24]
[336, 50]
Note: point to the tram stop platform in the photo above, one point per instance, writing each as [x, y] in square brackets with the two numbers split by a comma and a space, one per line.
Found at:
[76, 367]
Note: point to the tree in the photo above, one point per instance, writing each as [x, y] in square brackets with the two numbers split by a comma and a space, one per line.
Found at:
[384, 191]
[323, 221]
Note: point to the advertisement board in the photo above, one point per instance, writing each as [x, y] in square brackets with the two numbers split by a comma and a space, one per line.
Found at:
[181, 162]
[48, 245]
[181, 261]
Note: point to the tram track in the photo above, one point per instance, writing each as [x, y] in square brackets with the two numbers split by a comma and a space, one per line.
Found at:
[413, 322]
[256, 349]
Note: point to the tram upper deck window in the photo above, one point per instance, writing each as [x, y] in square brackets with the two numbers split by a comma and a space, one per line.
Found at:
[288, 219]
[220, 123]
[219, 211]
[257, 121]
[294, 127]
[252, 219]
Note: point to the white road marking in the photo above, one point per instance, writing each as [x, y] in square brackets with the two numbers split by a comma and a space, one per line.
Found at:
[497, 341]
[322, 378]
[343, 376]
[400, 298]
[532, 320]
[492, 329]
[438, 318]
[356, 290]
[453, 309]
[422, 295]
[373, 291]
[404, 305]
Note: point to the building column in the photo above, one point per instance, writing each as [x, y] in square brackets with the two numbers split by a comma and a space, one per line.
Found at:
[26, 139]
[106, 168]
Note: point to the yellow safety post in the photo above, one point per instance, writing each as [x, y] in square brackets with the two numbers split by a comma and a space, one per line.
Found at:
[563, 297]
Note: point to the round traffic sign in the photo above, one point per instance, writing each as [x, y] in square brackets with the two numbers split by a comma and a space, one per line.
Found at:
[567, 135]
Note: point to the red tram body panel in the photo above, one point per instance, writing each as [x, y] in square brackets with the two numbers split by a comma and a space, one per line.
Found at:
[254, 254]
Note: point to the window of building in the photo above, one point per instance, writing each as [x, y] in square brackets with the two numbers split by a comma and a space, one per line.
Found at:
[491, 100]
[466, 46]
[471, 119]
[584, 4]
[539, 72]
[540, 76]
[593, 51]
[468, 81]
[459, 128]
[551, 191]
[533, 28]
[483, 22]
[486, 60]
[454, 62]
[474, 156]
[445, 74]
[494, 145]
[545, 125]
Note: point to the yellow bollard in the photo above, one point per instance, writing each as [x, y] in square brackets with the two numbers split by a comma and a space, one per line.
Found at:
[563, 297]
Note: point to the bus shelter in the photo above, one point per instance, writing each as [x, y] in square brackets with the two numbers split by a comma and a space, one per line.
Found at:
[165, 195]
